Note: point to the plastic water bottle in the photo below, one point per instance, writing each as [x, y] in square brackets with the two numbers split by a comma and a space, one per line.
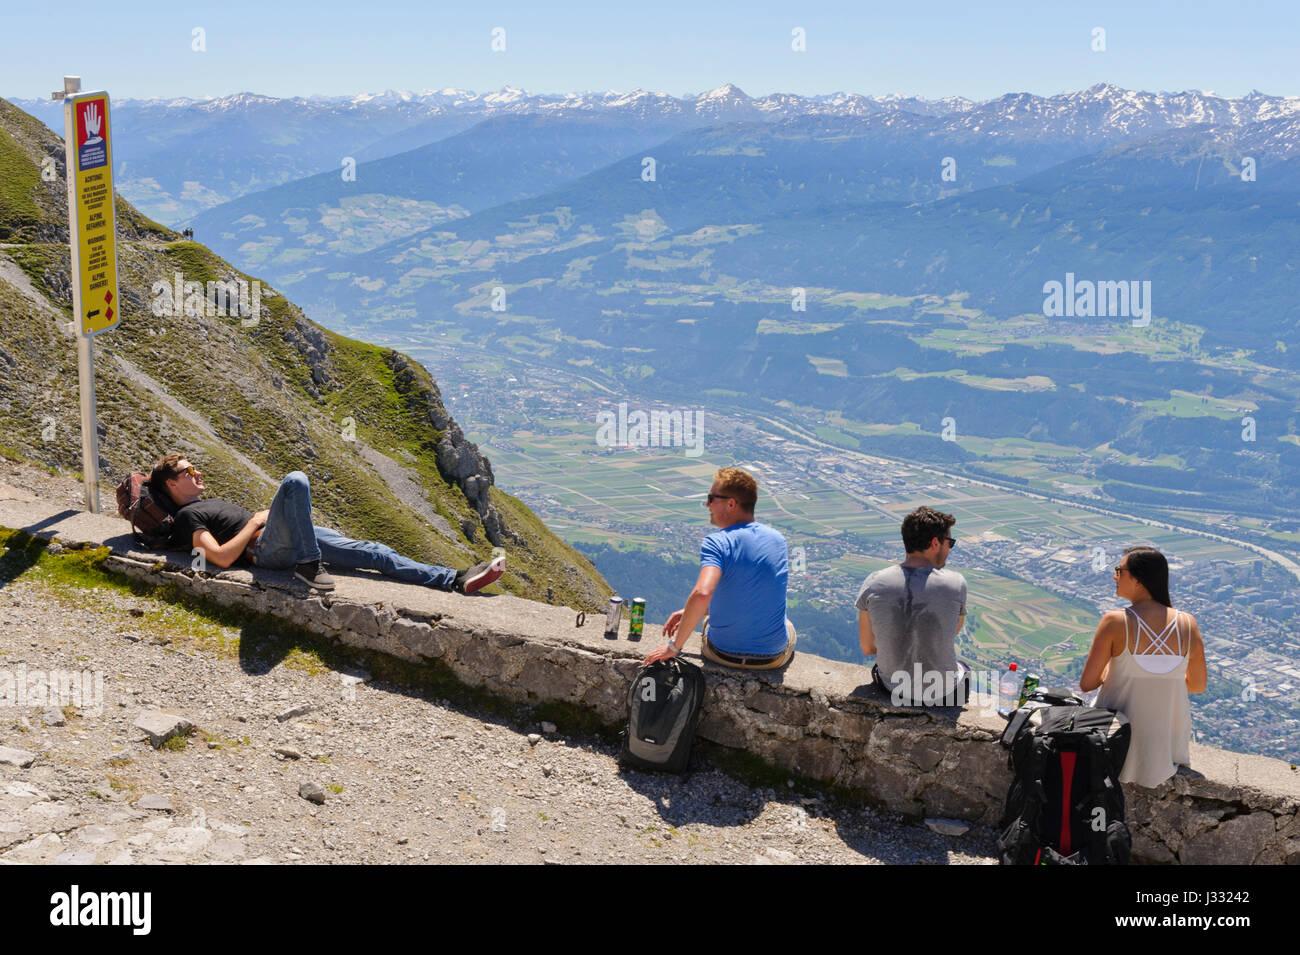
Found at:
[1008, 690]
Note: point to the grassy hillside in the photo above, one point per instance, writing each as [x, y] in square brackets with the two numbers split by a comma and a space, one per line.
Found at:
[247, 400]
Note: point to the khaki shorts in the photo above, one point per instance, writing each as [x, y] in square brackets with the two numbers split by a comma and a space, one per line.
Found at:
[710, 652]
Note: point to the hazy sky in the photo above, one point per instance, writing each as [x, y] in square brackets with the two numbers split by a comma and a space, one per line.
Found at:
[933, 49]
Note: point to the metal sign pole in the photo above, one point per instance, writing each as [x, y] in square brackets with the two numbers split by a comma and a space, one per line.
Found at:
[85, 343]
[89, 426]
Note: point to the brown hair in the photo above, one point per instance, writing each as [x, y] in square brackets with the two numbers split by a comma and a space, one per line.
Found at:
[164, 469]
[738, 484]
[923, 525]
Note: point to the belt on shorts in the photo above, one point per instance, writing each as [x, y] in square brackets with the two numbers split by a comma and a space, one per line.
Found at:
[746, 660]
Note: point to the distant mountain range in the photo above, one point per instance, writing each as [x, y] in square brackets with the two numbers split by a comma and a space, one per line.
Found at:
[853, 204]
[178, 157]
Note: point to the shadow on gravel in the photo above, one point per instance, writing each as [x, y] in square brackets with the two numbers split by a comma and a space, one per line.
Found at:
[21, 553]
[260, 651]
[712, 797]
[726, 788]
[705, 795]
[880, 840]
[23, 547]
[50, 521]
[126, 544]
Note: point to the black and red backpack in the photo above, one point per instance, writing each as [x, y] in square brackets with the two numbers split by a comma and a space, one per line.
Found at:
[1065, 805]
[152, 516]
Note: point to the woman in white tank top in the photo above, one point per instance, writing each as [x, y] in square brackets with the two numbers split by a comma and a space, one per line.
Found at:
[1146, 658]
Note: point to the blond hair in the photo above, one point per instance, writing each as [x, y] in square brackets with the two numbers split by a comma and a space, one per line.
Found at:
[739, 484]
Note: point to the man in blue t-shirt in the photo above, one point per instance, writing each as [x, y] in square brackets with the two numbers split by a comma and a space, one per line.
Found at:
[741, 586]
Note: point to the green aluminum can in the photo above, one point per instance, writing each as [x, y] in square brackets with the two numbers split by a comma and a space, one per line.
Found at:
[636, 618]
[1028, 687]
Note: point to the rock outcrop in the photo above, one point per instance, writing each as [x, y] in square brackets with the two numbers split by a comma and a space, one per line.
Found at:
[459, 460]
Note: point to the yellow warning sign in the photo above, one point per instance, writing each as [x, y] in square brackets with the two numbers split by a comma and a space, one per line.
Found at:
[91, 213]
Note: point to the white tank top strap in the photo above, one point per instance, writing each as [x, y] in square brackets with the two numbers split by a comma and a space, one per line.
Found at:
[1159, 641]
[1163, 637]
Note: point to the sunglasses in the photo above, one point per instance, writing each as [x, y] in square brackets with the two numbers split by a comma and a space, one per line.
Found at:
[951, 541]
[709, 499]
[192, 471]
[1119, 569]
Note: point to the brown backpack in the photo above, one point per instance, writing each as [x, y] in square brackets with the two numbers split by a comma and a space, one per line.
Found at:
[152, 521]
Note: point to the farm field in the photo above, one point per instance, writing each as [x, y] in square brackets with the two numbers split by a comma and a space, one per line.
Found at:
[652, 498]
[647, 485]
[1014, 620]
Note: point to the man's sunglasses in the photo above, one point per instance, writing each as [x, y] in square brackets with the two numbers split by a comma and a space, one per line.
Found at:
[712, 497]
[192, 471]
[951, 541]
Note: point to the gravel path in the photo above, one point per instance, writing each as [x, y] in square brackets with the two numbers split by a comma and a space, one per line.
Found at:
[396, 777]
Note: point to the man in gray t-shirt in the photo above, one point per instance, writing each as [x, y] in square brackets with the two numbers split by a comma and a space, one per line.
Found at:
[909, 615]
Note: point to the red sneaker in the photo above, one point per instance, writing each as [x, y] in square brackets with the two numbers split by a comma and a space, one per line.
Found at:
[473, 579]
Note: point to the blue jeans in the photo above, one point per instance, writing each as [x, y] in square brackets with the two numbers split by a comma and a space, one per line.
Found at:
[289, 538]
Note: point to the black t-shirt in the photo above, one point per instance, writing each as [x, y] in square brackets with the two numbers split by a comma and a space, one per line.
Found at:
[221, 519]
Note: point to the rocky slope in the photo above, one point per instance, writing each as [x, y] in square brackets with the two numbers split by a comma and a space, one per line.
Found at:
[248, 396]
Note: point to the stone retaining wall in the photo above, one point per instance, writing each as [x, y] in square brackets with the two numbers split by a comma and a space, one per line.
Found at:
[817, 718]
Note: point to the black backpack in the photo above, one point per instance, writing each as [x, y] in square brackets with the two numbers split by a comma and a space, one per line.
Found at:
[1065, 805]
[153, 519]
[663, 709]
